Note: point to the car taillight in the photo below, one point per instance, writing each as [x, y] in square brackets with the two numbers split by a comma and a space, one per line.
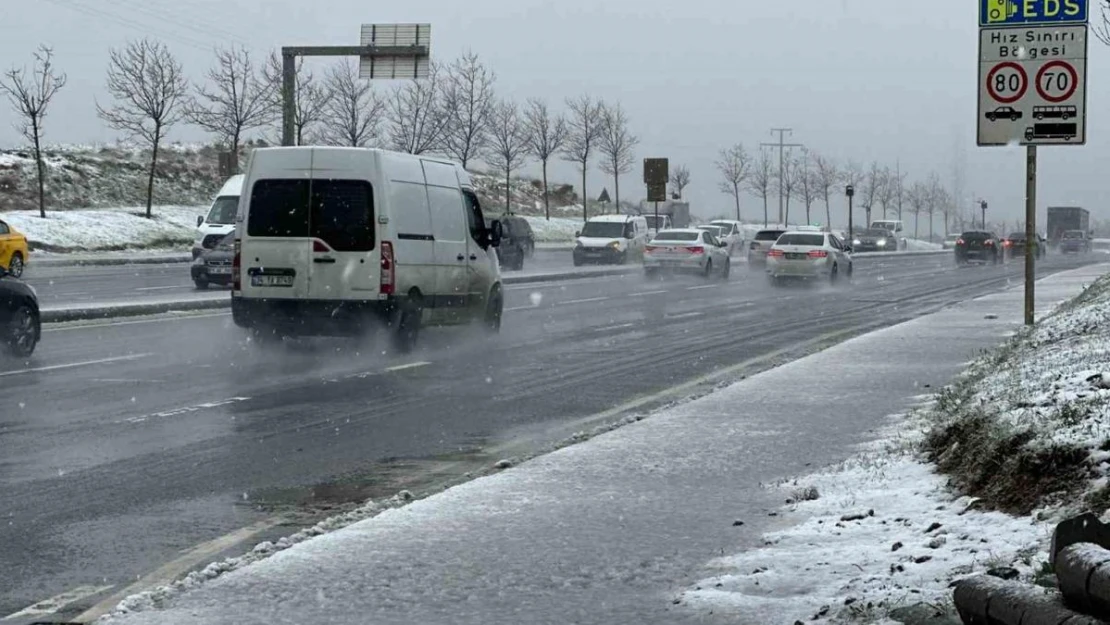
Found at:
[818, 254]
[775, 253]
[236, 263]
[959, 241]
[389, 270]
[650, 248]
[1007, 243]
[988, 242]
[696, 249]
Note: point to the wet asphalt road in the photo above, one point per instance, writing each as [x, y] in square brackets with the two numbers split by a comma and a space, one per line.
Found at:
[76, 285]
[123, 444]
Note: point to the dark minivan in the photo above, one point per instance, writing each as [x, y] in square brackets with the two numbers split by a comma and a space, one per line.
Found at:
[517, 242]
[214, 266]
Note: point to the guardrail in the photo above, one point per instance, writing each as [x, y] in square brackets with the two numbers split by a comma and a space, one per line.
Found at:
[1080, 561]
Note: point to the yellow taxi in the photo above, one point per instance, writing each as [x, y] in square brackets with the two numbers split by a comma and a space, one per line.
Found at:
[13, 249]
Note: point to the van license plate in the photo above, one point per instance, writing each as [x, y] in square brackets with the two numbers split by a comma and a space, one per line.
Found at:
[271, 280]
[220, 270]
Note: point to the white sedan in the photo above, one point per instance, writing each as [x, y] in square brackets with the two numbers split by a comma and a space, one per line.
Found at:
[731, 233]
[808, 255]
[687, 250]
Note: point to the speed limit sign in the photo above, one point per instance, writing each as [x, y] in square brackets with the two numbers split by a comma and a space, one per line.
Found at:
[1007, 82]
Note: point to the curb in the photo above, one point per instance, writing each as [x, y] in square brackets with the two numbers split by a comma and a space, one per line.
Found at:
[900, 254]
[111, 261]
[108, 311]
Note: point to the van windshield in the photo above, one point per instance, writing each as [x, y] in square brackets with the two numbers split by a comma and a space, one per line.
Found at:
[604, 229]
[341, 212]
[223, 210]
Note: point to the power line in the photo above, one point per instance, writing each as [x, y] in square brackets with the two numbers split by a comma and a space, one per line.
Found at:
[781, 145]
[165, 14]
[130, 23]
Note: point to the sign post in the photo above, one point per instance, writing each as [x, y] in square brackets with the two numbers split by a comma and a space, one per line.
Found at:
[1032, 90]
[656, 174]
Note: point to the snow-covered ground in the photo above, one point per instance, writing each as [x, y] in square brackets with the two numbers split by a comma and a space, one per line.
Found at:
[557, 230]
[172, 227]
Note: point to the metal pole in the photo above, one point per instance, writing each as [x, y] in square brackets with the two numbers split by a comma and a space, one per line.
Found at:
[288, 97]
[851, 232]
[657, 228]
[782, 160]
[1031, 243]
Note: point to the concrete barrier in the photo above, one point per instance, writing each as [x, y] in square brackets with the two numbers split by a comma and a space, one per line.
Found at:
[109, 311]
[91, 261]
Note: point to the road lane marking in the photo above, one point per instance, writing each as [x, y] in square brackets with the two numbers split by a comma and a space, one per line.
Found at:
[411, 365]
[56, 603]
[186, 409]
[73, 365]
[161, 288]
[616, 327]
[643, 293]
[683, 315]
[167, 573]
[172, 317]
[702, 286]
[515, 308]
[581, 301]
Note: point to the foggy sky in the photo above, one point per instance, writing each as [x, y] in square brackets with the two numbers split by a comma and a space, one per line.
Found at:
[861, 79]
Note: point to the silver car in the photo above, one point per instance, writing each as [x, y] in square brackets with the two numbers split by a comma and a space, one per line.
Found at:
[687, 250]
[809, 255]
[760, 245]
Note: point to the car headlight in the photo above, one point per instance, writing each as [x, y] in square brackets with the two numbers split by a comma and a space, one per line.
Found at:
[881, 243]
[856, 241]
[615, 245]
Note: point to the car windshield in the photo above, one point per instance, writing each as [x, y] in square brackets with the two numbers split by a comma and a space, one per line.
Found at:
[603, 229]
[677, 235]
[768, 235]
[223, 210]
[1073, 234]
[656, 223]
[796, 238]
[876, 233]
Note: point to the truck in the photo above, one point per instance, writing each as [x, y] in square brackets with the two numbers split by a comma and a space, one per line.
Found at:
[1064, 218]
[677, 210]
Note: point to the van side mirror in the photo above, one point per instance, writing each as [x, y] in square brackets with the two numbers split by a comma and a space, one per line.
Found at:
[577, 233]
[200, 220]
[496, 233]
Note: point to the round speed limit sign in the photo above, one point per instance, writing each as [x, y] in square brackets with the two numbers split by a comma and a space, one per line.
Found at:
[1057, 81]
[1007, 82]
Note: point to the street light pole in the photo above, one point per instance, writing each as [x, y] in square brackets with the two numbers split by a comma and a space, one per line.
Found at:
[983, 207]
[850, 191]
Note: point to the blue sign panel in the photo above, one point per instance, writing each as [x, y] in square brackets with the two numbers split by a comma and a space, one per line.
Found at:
[1032, 12]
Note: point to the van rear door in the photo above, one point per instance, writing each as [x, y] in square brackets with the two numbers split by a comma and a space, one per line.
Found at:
[276, 251]
[344, 249]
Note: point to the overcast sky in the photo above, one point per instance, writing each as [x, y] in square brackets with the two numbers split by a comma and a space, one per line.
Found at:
[861, 79]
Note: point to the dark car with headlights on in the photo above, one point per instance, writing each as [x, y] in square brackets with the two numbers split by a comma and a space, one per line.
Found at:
[214, 266]
[874, 240]
[20, 324]
[979, 246]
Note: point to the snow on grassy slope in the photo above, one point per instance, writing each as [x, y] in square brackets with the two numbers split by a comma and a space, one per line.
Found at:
[884, 534]
[1028, 426]
[172, 227]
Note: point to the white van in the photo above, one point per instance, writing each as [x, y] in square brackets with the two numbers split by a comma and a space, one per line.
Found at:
[220, 220]
[336, 241]
[611, 239]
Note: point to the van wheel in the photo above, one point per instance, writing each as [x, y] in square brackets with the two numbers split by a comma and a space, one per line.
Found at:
[408, 324]
[495, 307]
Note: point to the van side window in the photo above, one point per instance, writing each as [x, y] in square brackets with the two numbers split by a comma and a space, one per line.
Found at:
[278, 208]
[474, 218]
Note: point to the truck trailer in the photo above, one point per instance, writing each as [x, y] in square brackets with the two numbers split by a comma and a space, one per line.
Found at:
[1064, 218]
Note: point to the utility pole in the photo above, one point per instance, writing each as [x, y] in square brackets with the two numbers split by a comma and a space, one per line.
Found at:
[781, 145]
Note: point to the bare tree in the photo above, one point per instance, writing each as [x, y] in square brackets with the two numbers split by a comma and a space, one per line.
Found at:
[30, 96]
[235, 100]
[583, 132]
[938, 200]
[789, 182]
[680, 179]
[807, 182]
[759, 182]
[735, 165]
[309, 97]
[885, 193]
[918, 198]
[509, 138]
[872, 189]
[467, 105]
[415, 114]
[546, 136]
[897, 183]
[352, 113]
[1102, 30]
[149, 88]
[825, 176]
[616, 143]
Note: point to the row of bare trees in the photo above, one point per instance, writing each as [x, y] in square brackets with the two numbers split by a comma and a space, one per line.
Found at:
[454, 112]
[813, 179]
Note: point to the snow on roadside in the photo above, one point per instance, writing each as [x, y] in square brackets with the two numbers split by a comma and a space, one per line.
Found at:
[555, 230]
[107, 229]
[879, 532]
[917, 245]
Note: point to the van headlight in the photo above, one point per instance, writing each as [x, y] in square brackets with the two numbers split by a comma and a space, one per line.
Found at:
[881, 243]
[615, 245]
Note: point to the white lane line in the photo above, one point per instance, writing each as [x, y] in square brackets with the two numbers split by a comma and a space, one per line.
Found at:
[515, 308]
[201, 554]
[53, 604]
[703, 286]
[643, 293]
[553, 284]
[582, 301]
[160, 288]
[683, 315]
[74, 365]
[185, 410]
[411, 365]
[616, 327]
[173, 317]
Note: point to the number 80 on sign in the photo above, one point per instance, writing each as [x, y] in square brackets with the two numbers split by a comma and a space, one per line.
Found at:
[1007, 82]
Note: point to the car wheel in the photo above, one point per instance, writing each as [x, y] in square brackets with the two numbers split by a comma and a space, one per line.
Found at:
[708, 271]
[495, 307]
[834, 274]
[22, 332]
[531, 250]
[726, 270]
[201, 283]
[15, 267]
[408, 324]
